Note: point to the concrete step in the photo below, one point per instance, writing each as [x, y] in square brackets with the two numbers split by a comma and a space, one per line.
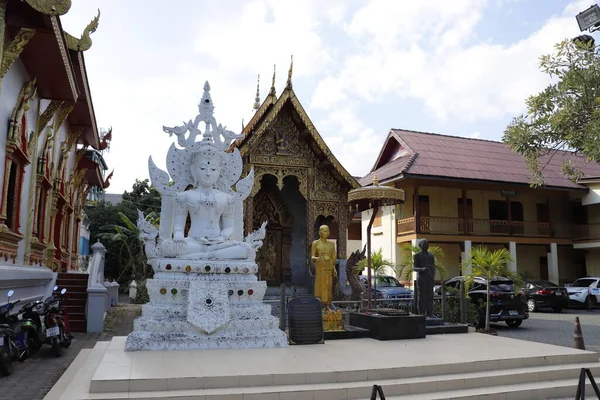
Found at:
[77, 377]
[535, 383]
[530, 391]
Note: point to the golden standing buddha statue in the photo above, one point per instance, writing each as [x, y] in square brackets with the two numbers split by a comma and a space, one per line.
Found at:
[323, 256]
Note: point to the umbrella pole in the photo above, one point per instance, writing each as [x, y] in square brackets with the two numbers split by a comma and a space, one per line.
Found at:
[375, 211]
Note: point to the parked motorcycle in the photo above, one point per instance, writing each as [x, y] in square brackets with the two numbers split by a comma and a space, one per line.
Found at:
[13, 342]
[56, 322]
[30, 319]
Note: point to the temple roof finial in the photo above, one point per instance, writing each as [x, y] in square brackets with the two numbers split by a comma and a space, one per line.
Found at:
[243, 126]
[257, 98]
[375, 181]
[289, 80]
[272, 92]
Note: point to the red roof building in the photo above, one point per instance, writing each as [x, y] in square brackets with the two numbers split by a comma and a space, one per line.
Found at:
[462, 192]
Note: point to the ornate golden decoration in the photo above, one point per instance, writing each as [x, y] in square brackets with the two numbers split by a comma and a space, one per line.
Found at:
[280, 173]
[326, 188]
[382, 195]
[249, 144]
[50, 7]
[58, 33]
[27, 93]
[86, 89]
[256, 105]
[15, 48]
[47, 115]
[333, 321]
[272, 92]
[325, 209]
[291, 161]
[85, 42]
[62, 114]
[289, 79]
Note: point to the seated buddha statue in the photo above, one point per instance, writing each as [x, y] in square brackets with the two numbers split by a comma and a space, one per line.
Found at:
[211, 213]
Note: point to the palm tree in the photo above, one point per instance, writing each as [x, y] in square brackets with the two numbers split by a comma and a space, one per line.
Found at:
[487, 264]
[378, 263]
[131, 248]
[407, 261]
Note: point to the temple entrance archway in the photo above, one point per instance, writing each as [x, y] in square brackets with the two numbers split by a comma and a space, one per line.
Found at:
[273, 256]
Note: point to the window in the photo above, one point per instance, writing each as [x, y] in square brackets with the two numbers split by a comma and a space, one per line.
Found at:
[585, 282]
[377, 220]
[11, 206]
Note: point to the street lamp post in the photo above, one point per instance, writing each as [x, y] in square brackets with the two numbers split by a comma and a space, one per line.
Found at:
[589, 19]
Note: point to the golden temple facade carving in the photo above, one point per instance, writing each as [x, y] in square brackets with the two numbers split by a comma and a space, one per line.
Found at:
[15, 47]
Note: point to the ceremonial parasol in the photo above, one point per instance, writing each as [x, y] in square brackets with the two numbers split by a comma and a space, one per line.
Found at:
[373, 197]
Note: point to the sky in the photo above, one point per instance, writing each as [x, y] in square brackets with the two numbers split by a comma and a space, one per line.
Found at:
[460, 67]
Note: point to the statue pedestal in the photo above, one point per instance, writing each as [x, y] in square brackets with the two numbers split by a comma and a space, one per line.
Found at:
[205, 306]
[333, 321]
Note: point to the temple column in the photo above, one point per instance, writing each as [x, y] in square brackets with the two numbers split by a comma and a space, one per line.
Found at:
[553, 275]
[465, 256]
[342, 231]
[512, 247]
[249, 214]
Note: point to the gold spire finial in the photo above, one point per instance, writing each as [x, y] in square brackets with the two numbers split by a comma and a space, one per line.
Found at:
[375, 181]
[243, 127]
[289, 80]
[273, 81]
[257, 98]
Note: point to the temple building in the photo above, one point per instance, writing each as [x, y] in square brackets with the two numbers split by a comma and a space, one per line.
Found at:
[47, 166]
[298, 186]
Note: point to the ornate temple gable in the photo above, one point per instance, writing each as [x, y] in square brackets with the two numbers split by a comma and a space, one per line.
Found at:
[85, 42]
[15, 47]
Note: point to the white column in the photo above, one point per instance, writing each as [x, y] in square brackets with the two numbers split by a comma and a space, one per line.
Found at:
[553, 264]
[512, 247]
[465, 255]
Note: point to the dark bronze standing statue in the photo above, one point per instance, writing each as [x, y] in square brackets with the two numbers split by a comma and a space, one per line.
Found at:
[424, 265]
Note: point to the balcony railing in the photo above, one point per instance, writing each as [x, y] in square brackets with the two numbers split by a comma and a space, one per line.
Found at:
[490, 227]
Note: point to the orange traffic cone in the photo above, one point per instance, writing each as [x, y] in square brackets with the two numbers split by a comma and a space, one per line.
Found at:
[578, 336]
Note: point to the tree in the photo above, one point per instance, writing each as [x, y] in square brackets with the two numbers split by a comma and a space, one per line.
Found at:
[103, 214]
[565, 115]
[377, 263]
[106, 220]
[143, 197]
[488, 265]
[407, 261]
[132, 259]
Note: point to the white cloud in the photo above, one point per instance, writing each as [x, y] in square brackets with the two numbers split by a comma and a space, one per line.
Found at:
[148, 71]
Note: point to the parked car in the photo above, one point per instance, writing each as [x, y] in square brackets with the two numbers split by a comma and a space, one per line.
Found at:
[544, 294]
[505, 304]
[388, 287]
[582, 288]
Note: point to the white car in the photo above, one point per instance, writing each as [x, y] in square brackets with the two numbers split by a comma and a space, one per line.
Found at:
[584, 287]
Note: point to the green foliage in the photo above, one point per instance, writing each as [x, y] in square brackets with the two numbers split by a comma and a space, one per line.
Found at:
[142, 197]
[453, 307]
[132, 259]
[565, 115]
[377, 263]
[407, 261]
[489, 265]
[141, 296]
[115, 226]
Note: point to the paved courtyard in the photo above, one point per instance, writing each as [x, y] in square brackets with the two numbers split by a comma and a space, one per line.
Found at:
[552, 328]
[33, 378]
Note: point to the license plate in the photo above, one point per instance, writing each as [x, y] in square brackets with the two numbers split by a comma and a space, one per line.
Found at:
[1, 340]
[513, 312]
[54, 331]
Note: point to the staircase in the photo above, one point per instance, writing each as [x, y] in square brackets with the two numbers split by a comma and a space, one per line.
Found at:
[75, 299]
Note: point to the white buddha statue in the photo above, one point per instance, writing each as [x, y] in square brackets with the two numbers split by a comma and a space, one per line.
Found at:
[211, 212]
